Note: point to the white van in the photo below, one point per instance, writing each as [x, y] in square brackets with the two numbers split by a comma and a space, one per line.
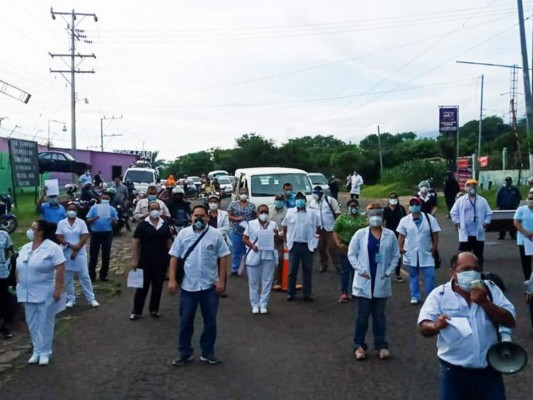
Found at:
[217, 172]
[142, 177]
[264, 183]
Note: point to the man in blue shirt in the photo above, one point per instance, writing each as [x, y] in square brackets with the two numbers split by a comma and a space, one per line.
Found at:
[508, 198]
[100, 218]
[51, 210]
[290, 196]
[204, 267]
[86, 177]
[523, 222]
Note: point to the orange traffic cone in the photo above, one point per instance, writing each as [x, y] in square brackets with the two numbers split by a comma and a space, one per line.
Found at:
[285, 270]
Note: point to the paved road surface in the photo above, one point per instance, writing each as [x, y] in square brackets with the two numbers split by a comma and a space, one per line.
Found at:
[300, 350]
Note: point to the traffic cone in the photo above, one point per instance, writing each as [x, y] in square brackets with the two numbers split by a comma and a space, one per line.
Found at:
[285, 270]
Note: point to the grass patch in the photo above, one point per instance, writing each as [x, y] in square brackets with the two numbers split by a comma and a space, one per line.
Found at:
[381, 191]
[26, 214]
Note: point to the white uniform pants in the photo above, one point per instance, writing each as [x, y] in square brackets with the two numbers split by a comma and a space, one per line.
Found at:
[40, 318]
[85, 282]
[261, 275]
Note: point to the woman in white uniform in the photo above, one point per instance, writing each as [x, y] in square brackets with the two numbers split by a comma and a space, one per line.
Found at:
[72, 233]
[40, 273]
[260, 263]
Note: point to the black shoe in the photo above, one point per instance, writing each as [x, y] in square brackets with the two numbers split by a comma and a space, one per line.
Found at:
[308, 298]
[323, 269]
[290, 298]
[155, 314]
[234, 274]
[210, 359]
[182, 360]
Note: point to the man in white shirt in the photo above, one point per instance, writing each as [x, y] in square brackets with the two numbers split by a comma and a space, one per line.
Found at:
[356, 182]
[327, 209]
[141, 210]
[300, 230]
[480, 307]
[471, 214]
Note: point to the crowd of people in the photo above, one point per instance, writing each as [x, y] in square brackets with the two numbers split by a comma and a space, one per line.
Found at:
[366, 248]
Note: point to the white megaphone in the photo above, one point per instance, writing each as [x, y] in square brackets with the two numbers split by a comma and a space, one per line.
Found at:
[506, 357]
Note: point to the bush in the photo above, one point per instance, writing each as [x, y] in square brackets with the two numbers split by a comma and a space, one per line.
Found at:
[410, 173]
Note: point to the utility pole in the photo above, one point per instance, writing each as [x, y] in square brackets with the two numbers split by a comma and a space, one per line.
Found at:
[480, 119]
[380, 154]
[75, 35]
[525, 69]
[102, 130]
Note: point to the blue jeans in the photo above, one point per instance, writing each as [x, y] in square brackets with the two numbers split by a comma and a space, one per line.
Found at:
[300, 253]
[365, 307]
[346, 274]
[238, 252]
[457, 383]
[208, 300]
[414, 285]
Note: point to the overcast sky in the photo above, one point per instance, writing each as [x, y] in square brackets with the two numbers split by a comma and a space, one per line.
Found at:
[192, 75]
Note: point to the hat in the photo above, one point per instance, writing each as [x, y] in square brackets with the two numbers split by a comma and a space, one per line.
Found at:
[423, 183]
[508, 178]
[415, 201]
[318, 190]
[213, 196]
[300, 195]
[279, 196]
[178, 190]
[470, 182]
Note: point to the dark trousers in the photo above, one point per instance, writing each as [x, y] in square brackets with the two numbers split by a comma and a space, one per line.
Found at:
[475, 246]
[450, 201]
[458, 383]
[103, 240]
[526, 262]
[300, 253]
[365, 308]
[347, 272]
[326, 244]
[531, 311]
[208, 300]
[7, 304]
[153, 276]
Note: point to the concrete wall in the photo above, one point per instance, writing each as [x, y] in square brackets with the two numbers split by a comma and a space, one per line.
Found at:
[498, 177]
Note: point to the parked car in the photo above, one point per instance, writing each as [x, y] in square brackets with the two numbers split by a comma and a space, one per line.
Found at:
[58, 161]
[319, 179]
[197, 181]
[226, 187]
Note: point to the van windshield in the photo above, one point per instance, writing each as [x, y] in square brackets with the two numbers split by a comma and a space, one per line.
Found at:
[271, 184]
[140, 176]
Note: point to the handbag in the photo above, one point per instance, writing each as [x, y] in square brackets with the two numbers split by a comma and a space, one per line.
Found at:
[436, 255]
[180, 270]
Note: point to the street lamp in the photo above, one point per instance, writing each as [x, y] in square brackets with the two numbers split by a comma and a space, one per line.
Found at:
[58, 122]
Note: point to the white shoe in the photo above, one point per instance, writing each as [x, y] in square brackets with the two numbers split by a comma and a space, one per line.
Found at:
[255, 310]
[263, 311]
[526, 282]
[44, 360]
[94, 304]
[69, 304]
[34, 359]
[414, 301]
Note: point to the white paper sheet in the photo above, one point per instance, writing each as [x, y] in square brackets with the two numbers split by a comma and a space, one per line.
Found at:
[462, 325]
[61, 304]
[53, 187]
[528, 247]
[265, 240]
[243, 224]
[104, 210]
[136, 278]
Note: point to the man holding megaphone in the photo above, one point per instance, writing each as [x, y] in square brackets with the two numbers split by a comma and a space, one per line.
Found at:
[465, 314]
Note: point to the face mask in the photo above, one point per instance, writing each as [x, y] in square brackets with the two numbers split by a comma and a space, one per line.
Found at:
[52, 200]
[414, 209]
[105, 201]
[353, 210]
[393, 201]
[199, 223]
[263, 217]
[424, 189]
[279, 204]
[30, 234]
[152, 197]
[375, 221]
[71, 214]
[530, 203]
[465, 279]
[472, 191]
[300, 203]
[243, 197]
[288, 193]
[316, 196]
[155, 214]
[213, 206]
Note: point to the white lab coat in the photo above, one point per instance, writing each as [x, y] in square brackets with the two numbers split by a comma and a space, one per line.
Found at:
[418, 242]
[142, 208]
[254, 258]
[358, 256]
[223, 225]
[483, 213]
[357, 182]
[72, 234]
[309, 227]
[323, 210]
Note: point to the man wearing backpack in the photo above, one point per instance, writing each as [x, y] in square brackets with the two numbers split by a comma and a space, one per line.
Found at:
[327, 209]
[465, 313]
[179, 208]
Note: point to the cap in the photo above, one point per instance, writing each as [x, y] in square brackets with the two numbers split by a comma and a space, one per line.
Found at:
[471, 182]
[279, 196]
[415, 201]
[318, 190]
[178, 190]
[508, 178]
[423, 183]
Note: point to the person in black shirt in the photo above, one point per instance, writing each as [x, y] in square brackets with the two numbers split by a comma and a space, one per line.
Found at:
[179, 208]
[451, 188]
[88, 193]
[150, 246]
[392, 214]
[334, 187]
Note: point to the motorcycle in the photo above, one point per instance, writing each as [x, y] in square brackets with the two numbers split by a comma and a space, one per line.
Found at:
[123, 220]
[83, 205]
[8, 221]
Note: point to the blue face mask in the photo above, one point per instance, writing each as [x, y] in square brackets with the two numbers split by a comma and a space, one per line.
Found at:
[199, 223]
[288, 193]
[105, 201]
[279, 204]
[415, 209]
[52, 200]
[152, 197]
[300, 203]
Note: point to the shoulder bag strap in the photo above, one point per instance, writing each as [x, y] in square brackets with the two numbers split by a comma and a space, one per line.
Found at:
[330, 206]
[430, 228]
[190, 249]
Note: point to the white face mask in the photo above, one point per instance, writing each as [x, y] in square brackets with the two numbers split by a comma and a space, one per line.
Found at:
[316, 196]
[375, 221]
[155, 214]
[243, 197]
[71, 214]
[424, 189]
[465, 279]
[213, 206]
[263, 217]
[30, 234]
[393, 202]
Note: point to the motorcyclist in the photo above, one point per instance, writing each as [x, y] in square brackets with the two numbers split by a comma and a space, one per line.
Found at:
[88, 193]
[180, 209]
